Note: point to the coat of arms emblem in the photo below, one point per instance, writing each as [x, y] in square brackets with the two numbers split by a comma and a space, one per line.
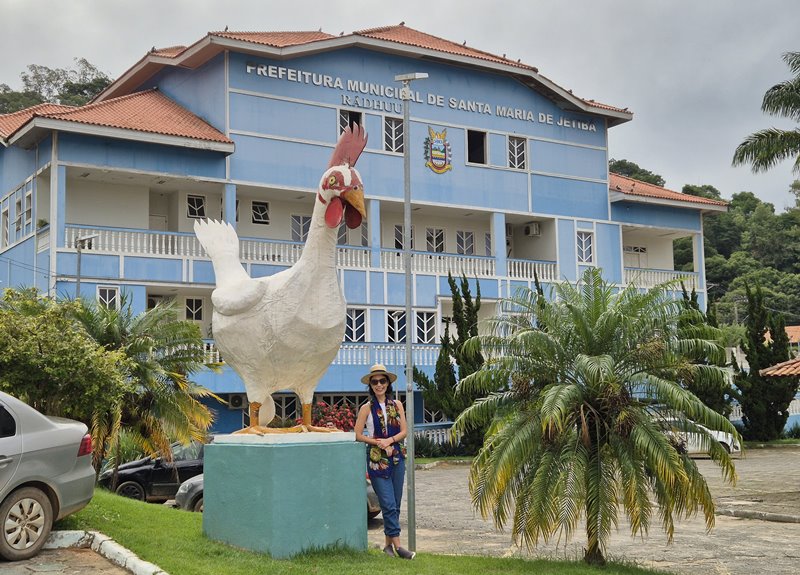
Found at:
[438, 156]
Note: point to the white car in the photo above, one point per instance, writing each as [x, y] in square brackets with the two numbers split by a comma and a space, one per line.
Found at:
[693, 441]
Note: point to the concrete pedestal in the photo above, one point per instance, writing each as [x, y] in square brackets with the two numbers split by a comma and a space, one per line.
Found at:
[283, 494]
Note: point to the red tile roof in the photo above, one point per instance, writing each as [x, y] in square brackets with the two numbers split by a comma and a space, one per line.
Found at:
[276, 39]
[10, 123]
[410, 37]
[149, 111]
[785, 369]
[793, 331]
[618, 183]
[398, 34]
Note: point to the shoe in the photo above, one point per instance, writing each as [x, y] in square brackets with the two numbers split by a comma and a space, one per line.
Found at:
[389, 550]
[405, 553]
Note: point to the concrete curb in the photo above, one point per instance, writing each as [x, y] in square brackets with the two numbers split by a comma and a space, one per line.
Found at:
[105, 546]
[432, 464]
[762, 515]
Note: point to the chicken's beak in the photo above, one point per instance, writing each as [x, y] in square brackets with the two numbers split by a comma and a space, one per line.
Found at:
[355, 199]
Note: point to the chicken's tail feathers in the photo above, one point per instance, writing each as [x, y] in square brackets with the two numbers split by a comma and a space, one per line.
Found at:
[219, 239]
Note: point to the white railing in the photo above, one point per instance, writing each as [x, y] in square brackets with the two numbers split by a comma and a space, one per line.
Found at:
[134, 242]
[736, 412]
[440, 263]
[647, 278]
[391, 354]
[524, 269]
[43, 240]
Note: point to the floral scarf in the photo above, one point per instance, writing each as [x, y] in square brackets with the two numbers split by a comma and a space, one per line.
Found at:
[378, 463]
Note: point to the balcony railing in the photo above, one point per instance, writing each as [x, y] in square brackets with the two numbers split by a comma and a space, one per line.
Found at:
[391, 354]
[285, 253]
[440, 263]
[647, 278]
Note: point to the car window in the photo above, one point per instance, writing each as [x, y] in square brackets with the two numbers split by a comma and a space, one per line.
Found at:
[8, 427]
[186, 452]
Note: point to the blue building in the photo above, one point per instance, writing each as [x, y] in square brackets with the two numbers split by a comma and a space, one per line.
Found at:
[509, 176]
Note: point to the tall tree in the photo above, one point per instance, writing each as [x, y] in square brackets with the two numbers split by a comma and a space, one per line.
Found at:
[764, 149]
[765, 400]
[580, 430]
[163, 353]
[632, 170]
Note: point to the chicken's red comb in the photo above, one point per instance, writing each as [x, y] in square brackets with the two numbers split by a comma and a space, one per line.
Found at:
[349, 147]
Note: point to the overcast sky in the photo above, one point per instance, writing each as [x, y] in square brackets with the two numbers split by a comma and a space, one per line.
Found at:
[692, 71]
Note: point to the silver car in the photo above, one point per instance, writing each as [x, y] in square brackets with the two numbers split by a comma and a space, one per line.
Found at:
[46, 473]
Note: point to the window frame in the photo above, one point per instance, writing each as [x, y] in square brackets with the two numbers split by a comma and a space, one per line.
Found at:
[517, 153]
[253, 212]
[202, 207]
[354, 333]
[435, 240]
[194, 312]
[304, 222]
[346, 118]
[393, 327]
[104, 301]
[582, 246]
[470, 146]
[393, 135]
[427, 327]
[461, 242]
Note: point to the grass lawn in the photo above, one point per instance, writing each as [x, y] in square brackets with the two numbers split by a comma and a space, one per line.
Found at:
[174, 540]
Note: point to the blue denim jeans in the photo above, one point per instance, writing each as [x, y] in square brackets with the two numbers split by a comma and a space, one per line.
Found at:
[390, 492]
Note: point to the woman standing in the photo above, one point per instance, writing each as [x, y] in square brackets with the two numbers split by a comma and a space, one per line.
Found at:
[385, 421]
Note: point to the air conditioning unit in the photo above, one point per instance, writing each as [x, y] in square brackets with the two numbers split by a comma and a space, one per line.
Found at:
[532, 230]
[237, 401]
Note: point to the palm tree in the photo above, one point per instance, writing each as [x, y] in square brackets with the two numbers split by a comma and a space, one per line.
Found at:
[766, 148]
[163, 352]
[585, 424]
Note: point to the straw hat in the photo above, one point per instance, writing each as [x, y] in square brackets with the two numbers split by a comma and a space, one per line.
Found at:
[378, 369]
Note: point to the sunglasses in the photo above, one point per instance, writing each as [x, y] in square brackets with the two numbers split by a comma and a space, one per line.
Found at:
[381, 381]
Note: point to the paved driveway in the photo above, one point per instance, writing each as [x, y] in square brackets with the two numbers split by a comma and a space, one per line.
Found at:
[769, 480]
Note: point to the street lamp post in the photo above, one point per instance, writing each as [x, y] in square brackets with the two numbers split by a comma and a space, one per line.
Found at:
[405, 95]
[79, 245]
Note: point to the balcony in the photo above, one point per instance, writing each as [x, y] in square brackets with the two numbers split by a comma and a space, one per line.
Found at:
[647, 278]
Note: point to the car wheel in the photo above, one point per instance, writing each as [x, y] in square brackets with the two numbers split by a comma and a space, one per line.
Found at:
[131, 489]
[198, 505]
[26, 516]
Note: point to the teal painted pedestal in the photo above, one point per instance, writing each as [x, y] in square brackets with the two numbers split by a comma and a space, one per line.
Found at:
[284, 494]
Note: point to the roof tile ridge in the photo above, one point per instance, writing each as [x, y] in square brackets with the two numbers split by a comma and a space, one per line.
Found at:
[255, 32]
[33, 110]
[445, 40]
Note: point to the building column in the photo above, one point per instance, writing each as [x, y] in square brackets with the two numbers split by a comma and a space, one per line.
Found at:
[229, 205]
[497, 227]
[374, 223]
[698, 257]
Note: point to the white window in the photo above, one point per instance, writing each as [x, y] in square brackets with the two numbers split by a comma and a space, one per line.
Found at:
[487, 243]
[18, 214]
[194, 309]
[28, 208]
[108, 297]
[635, 256]
[393, 135]
[260, 213]
[398, 237]
[195, 207]
[426, 327]
[4, 230]
[585, 242]
[396, 326]
[348, 118]
[465, 243]
[364, 234]
[476, 147]
[516, 152]
[355, 329]
[435, 237]
[300, 227]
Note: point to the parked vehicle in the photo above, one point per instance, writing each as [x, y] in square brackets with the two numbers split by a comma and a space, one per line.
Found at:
[190, 496]
[693, 442]
[154, 478]
[46, 473]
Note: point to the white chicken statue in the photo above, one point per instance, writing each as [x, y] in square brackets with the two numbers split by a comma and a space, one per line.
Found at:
[283, 331]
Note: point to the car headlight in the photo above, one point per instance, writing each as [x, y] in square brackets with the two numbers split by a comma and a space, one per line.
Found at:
[183, 488]
[104, 475]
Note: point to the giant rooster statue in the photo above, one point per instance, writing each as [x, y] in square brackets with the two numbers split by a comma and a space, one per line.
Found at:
[283, 331]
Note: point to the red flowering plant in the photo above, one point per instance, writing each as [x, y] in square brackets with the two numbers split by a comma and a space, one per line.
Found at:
[341, 416]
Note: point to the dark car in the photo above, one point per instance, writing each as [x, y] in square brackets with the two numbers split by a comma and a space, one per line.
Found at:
[190, 496]
[46, 473]
[154, 478]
